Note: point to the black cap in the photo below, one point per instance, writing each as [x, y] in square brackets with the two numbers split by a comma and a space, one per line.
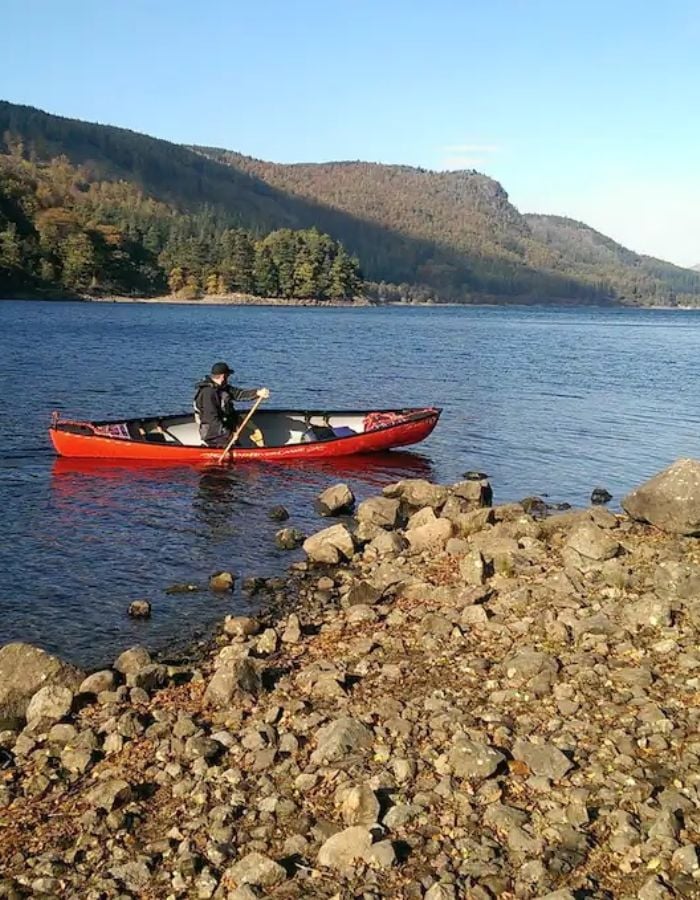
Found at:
[221, 368]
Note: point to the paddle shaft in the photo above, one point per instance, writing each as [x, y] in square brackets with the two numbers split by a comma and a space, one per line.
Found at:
[240, 428]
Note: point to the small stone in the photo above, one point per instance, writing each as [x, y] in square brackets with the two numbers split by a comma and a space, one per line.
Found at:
[278, 514]
[344, 849]
[542, 759]
[222, 581]
[360, 806]
[600, 495]
[292, 632]
[139, 609]
[470, 759]
[256, 869]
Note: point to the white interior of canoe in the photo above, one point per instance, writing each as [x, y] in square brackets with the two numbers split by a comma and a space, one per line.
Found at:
[278, 428]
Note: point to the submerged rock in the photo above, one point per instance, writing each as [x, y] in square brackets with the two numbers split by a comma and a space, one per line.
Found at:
[140, 609]
[222, 581]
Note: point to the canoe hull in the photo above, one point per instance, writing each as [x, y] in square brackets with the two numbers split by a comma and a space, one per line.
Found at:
[414, 427]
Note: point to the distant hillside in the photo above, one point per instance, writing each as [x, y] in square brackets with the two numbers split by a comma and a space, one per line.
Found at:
[418, 234]
[633, 277]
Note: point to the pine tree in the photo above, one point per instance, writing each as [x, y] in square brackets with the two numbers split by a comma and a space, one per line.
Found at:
[345, 278]
[211, 284]
[266, 280]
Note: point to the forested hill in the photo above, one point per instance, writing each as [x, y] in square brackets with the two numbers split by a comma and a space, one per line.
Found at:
[469, 218]
[417, 234]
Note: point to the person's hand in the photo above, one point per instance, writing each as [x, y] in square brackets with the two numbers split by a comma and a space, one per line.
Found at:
[263, 393]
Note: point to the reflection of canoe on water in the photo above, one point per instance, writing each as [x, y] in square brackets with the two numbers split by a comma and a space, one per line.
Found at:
[286, 435]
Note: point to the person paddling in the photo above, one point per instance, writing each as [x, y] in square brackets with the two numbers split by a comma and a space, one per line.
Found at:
[214, 409]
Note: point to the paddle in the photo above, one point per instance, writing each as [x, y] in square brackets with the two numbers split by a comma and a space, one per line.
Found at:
[234, 436]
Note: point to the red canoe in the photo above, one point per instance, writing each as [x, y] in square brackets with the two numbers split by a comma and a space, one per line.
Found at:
[286, 435]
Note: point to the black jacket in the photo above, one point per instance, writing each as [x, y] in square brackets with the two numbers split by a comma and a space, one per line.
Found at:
[214, 409]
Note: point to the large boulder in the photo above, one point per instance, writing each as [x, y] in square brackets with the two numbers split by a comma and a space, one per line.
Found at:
[24, 670]
[330, 545]
[670, 500]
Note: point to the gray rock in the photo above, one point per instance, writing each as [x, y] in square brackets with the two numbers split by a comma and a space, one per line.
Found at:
[476, 491]
[292, 631]
[132, 660]
[389, 543]
[230, 678]
[344, 849]
[110, 794]
[135, 875]
[278, 514]
[139, 609]
[472, 522]
[222, 581]
[654, 889]
[471, 759]
[440, 892]
[472, 568]
[50, 704]
[363, 592]
[381, 511]
[542, 759]
[417, 492]
[330, 545]
[340, 738]
[432, 534]
[649, 610]
[670, 500]
[103, 680]
[593, 542]
[23, 671]
[289, 538]
[257, 870]
[335, 501]
[685, 859]
[360, 806]
[241, 626]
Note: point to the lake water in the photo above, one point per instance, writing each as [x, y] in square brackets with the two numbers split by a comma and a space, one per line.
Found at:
[546, 401]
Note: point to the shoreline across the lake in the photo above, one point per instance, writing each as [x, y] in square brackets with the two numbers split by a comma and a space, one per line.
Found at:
[446, 699]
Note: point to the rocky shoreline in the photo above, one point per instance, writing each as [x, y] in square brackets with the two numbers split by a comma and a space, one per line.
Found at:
[447, 700]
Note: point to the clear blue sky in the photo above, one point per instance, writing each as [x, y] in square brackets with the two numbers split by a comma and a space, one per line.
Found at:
[579, 107]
